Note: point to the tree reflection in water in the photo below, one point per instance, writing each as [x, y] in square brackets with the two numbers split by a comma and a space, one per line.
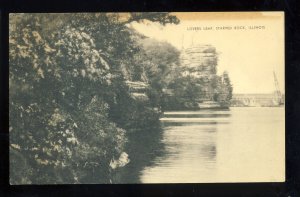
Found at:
[183, 149]
[142, 147]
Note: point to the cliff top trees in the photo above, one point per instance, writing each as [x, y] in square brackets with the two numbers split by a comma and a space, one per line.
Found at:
[198, 80]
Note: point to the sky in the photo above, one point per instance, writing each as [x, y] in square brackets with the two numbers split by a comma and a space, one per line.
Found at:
[250, 55]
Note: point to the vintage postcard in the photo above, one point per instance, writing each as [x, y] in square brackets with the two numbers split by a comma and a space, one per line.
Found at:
[180, 97]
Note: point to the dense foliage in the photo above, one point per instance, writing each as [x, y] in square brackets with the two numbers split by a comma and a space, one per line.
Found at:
[68, 88]
[185, 92]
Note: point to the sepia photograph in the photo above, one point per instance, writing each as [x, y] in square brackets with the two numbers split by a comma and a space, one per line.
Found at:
[146, 97]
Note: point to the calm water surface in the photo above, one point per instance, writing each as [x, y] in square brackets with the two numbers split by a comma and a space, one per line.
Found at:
[240, 144]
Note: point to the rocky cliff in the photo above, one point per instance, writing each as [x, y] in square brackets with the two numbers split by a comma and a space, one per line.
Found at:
[199, 60]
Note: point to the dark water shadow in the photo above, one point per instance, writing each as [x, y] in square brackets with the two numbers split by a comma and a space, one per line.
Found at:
[168, 124]
[143, 147]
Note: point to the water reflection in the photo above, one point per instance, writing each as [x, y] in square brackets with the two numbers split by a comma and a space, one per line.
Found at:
[183, 142]
[190, 147]
[243, 144]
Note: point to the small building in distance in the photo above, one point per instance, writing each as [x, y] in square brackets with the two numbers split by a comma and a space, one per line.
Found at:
[254, 100]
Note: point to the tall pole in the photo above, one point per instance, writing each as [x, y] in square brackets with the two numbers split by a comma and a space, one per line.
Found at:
[278, 93]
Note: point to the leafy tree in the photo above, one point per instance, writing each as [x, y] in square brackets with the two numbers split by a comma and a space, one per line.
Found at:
[67, 77]
[162, 17]
[228, 85]
[58, 119]
[158, 66]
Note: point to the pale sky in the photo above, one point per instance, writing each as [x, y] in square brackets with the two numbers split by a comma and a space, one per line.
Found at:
[249, 55]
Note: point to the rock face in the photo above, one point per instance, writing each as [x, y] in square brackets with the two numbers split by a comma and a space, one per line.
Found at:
[137, 90]
[199, 61]
[198, 85]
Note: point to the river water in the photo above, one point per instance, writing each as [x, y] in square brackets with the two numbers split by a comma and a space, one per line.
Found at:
[238, 145]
